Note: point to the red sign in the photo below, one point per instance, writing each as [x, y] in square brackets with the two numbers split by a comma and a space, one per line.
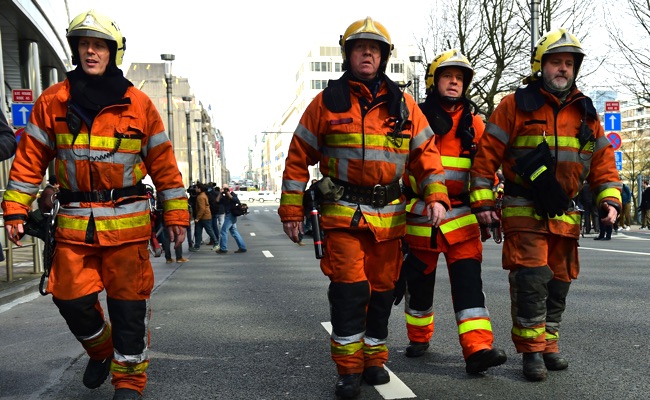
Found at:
[615, 140]
[22, 95]
[612, 106]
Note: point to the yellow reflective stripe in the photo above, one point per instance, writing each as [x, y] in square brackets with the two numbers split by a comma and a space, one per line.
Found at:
[169, 205]
[18, 197]
[409, 205]
[435, 187]
[102, 338]
[458, 223]
[65, 222]
[552, 336]
[336, 210]
[611, 192]
[533, 141]
[358, 139]
[481, 195]
[66, 139]
[419, 321]
[385, 221]
[287, 199]
[345, 350]
[528, 333]
[474, 325]
[523, 211]
[370, 350]
[133, 369]
[537, 173]
[138, 173]
[416, 230]
[121, 223]
[456, 162]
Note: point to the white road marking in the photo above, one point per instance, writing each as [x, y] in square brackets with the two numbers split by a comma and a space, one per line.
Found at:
[615, 251]
[395, 389]
[267, 254]
[24, 299]
[252, 233]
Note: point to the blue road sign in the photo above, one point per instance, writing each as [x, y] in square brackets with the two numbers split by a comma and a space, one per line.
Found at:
[618, 156]
[612, 121]
[20, 113]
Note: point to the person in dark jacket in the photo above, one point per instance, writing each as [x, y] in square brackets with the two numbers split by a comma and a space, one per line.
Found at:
[645, 206]
[7, 139]
[229, 200]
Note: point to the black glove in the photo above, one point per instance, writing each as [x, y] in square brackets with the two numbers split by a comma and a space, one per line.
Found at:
[412, 268]
[536, 168]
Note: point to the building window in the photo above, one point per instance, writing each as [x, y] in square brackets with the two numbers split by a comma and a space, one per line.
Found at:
[319, 84]
[338, 67]
[321, 66]
[396, 68]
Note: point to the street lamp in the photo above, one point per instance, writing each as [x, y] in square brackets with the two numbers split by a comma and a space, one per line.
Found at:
[199, 143]
[416, 78]
[168, 58]
[188, 100]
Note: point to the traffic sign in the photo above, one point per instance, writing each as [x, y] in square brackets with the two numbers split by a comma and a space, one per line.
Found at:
[615, 140]
[612, 106]
[22, 95]
[20, 113]
[618, 156]
[612, 121]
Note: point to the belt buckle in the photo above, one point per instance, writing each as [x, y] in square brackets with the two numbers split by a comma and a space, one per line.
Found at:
[99, 195]
[378, 196]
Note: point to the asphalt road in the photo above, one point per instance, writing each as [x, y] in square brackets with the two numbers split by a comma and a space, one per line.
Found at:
[254, 326]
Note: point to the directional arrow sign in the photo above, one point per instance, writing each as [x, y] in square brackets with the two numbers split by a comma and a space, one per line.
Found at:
[20, 113]
[612, 121]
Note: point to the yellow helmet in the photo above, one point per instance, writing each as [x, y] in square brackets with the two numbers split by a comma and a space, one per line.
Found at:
[366, 29]
[556, 41]
[93, 24]
[449, 58]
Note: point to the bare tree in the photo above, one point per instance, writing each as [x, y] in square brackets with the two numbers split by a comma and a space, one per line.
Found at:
[636, 157]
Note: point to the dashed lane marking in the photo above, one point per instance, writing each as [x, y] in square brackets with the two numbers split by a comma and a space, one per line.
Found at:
[267, 254]
[395, 389]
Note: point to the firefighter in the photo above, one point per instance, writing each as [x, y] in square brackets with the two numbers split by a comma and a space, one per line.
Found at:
[105, 137]
[362, 131]
[457, 129]
[548, 138]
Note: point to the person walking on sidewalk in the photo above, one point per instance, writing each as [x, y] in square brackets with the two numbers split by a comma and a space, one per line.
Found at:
[104, 136]
[546, 136]
[229, 200]
[363, 131]
[644, 205]
[457, 132]
[203, 219]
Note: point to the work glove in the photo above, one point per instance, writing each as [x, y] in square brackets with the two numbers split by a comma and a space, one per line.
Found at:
[536, 168]
[412, 268]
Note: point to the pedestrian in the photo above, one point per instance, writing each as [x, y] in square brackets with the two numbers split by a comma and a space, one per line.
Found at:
[645, 206]
[625, 219]
[103, 225]
[230, 201]
[216, 209]
[363, 131]
[586, 202]
[546, 136]
[457, 128]
[7, 138]
[163, 237]
[203, 219]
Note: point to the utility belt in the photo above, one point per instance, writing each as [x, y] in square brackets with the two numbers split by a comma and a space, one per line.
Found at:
[97, 196]
[376, 196]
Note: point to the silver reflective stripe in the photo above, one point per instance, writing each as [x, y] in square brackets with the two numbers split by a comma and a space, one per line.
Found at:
[370, 341]
[172, 193]
[343, 340]
[23, 187]
[421, 137]
[40, 135]
[306, 135]
[155, 140]
[497, 132]
[289, 185]
[477, 312]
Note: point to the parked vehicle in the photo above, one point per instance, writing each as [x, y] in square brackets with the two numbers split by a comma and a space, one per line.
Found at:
[264, 195]
[246, 195]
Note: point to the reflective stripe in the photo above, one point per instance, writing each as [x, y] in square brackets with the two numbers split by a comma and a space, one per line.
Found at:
[122, 223]
[154, 141]
[131, 369]
[456, 162]
[481, 195]
[497, 133]
[306, 135]
[370, 350]
[40, 135]
[522, 211]
[458, 223]
[169, 205]
[552, 335]
[374, 343]
[421, 137]
[615, 193]
[293, 186]
[18, 197]
[473, 325]
[359, 154]
[360, 139]
[419, 321]
[417, 230]
[476, 312]
[171, 194]
[346, 349]
[527, 333]
[291, 199]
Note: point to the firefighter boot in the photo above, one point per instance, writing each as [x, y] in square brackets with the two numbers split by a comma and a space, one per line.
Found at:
[534, 368]
[375, 376]
[96, 372]
[555, 362]
[484, 359]
[348, 386]
[416, 349]
[126, 394]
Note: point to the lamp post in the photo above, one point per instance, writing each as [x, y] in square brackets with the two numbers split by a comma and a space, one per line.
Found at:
[188, 100]
[199, 144]
[416, 78]
[168, 58]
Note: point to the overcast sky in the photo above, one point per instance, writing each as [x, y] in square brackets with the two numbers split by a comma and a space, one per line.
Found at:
[241, 57]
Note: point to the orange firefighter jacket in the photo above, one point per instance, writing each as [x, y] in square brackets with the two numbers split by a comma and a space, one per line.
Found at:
[126, 142]
[520, 123]
[355, 146]
[459, 224]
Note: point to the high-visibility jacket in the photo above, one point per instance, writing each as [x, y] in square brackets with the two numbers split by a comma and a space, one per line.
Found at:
[517, 126]
[459, 224]
[126, 142]
[354, 146]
